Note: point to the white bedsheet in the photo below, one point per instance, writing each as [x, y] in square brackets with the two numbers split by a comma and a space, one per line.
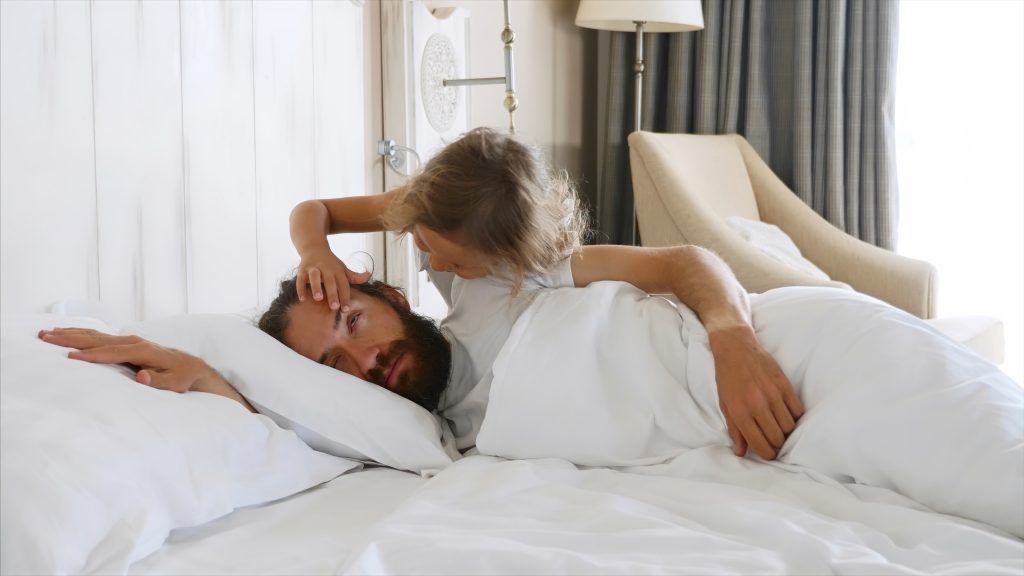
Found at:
[705, 512]
[309, 533]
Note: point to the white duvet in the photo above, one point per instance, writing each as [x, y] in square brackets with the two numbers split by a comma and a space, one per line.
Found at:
[890, 402]
[704, 512]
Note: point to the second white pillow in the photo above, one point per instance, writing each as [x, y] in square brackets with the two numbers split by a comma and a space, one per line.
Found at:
[771, 240]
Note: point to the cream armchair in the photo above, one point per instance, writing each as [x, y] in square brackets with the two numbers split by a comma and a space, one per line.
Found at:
[686, 185]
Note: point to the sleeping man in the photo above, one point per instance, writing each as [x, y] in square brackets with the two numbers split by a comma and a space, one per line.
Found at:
[608, 375]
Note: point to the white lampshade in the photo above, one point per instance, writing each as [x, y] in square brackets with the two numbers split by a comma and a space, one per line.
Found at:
[658, 15]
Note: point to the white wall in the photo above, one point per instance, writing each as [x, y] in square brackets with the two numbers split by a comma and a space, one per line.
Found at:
[150, 152]
[549, 72]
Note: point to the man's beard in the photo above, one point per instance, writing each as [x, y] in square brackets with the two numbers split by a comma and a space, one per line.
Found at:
[428, 362]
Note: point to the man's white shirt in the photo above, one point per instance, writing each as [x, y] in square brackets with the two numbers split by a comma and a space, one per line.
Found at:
[481, 314]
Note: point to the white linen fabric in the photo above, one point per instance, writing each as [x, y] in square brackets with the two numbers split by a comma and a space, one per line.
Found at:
[310, 533]
[98, 469]
[481, 314]
[704, 512]
[602, 376]
[894, 403]
[890, 402]
[332, 411]
[771, 240]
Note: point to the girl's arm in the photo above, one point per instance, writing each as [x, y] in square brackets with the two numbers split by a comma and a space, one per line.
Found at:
[758, 401]
[312, 221]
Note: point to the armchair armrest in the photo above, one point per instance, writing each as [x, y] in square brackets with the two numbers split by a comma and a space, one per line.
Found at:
[904, 282]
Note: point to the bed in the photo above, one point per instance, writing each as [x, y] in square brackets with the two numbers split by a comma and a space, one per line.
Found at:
[103, 475]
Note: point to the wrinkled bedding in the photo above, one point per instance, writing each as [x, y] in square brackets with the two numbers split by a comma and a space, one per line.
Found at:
[891, 403]
[867, 485]
[704, 512]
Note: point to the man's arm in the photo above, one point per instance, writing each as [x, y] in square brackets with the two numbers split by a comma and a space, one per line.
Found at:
[758, 401]
[159, 367]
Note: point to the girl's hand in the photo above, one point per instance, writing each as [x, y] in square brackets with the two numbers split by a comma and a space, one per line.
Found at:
[321, 272]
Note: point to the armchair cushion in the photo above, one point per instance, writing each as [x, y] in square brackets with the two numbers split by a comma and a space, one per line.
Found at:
[771, 240]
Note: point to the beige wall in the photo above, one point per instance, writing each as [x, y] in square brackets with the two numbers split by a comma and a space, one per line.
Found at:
[549, 72]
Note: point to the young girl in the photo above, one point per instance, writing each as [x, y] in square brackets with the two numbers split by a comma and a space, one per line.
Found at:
[484, 201]
[489, 204]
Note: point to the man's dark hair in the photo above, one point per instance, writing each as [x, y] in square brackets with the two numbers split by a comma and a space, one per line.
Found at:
[275, 320]
[422, 332]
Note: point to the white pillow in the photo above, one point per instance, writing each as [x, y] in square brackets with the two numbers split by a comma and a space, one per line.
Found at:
[771, 240]
[98, 469]
[332, 411]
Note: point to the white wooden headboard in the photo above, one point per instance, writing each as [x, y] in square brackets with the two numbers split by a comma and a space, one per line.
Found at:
[150, 152]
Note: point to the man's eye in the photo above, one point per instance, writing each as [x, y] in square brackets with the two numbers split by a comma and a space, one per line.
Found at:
[352, 322]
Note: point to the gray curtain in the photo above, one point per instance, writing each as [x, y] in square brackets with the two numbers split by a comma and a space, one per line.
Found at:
[808, 82]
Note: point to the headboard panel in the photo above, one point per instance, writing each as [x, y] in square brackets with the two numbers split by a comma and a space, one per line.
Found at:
[151, 151]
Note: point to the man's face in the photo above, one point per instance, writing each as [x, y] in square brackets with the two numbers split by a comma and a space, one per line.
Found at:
[369, 340]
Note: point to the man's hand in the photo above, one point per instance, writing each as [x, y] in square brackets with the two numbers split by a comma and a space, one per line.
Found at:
[156, 366]
[759, 403]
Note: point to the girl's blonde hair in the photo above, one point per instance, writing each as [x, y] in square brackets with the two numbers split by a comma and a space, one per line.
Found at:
[501, 196]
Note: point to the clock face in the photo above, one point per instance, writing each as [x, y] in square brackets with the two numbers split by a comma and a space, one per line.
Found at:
[438, 64]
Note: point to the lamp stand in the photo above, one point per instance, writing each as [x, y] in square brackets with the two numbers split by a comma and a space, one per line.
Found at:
[638, 70]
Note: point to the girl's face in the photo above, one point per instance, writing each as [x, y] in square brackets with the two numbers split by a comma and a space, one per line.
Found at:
[448, 254]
